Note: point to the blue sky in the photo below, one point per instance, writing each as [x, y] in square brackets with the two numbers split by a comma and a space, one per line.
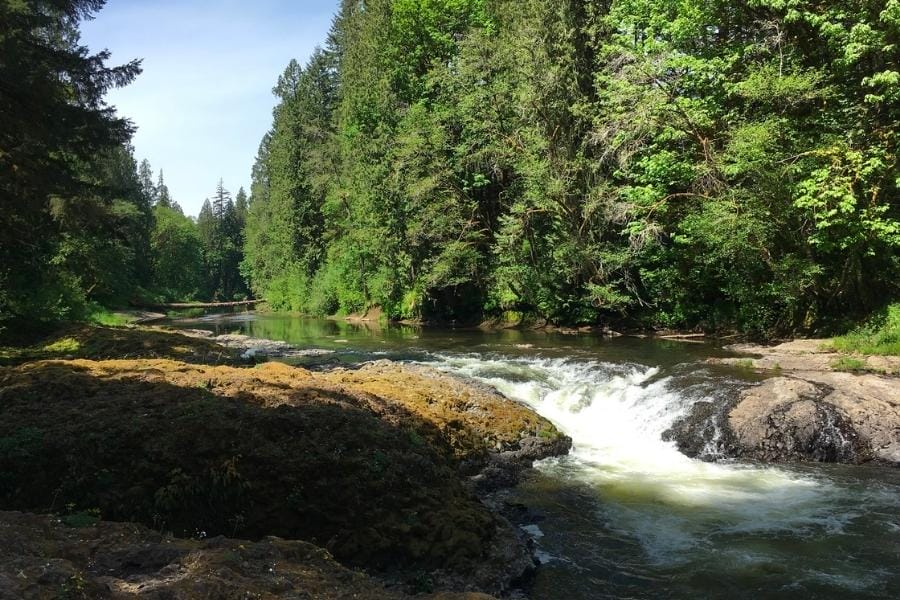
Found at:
[205, 98]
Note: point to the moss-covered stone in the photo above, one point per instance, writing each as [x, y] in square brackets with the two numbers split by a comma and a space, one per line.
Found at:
[366, 463]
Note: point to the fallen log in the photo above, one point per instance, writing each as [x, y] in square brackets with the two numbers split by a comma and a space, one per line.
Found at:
[181, 305]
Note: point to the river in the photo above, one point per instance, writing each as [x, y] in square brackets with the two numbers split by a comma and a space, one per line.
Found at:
[625, 515]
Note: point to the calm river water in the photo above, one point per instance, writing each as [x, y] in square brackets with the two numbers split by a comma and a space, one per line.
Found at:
[625, 515]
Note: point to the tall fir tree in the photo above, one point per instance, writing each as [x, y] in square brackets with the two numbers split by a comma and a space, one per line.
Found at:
[57, 131]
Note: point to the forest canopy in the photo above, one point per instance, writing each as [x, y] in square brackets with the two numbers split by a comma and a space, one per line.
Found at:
[701, 163]
[694, 163]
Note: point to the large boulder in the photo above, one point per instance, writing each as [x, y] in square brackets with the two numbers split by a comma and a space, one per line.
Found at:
[808, 416]
[371, 464]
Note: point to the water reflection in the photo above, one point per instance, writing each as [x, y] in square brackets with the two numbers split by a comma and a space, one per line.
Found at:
[625, 515]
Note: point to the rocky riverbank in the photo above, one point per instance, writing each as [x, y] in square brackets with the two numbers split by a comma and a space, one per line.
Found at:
[807, 409]
[379, 466]
[48, 557]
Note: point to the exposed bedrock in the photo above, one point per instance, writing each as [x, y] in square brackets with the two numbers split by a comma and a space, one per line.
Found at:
[809, 416]
[373, 464]
[45, 557]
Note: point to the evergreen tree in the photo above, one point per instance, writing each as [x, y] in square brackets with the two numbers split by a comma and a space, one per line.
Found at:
[145, 178]
[221, 236]
[675, 164]
[56, 132]
[284, 243]
[220, 201]
[163, 198]
[240, 209]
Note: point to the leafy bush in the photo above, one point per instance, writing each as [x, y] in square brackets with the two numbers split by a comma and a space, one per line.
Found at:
[881, 335]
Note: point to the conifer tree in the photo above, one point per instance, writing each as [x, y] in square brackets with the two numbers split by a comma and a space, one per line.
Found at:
[163, 198]
[56, 129]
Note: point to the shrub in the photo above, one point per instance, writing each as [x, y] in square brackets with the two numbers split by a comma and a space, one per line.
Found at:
[880, 335]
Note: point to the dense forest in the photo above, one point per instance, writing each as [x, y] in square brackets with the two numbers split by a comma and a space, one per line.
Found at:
[699, 163]
[702, 162]
[84, 227]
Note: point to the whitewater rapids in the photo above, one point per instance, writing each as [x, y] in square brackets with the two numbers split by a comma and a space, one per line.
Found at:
[681, 511]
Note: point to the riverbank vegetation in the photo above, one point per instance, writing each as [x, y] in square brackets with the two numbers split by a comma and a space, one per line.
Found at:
[881, 335]
[691, 164]
[705, 165]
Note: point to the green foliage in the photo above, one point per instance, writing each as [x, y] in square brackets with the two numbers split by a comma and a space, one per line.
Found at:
[678, 164]
[847, 363]
[82, 518]
[99, 315]
[72, 227]
[177, 253]
[220, 226]
[75, 587]
[711, 164]
[79, 230]
[63, 345]
[881, 335]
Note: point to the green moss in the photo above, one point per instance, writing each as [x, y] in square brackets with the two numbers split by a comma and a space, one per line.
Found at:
[91, 341]
[82, 518]
[63, 345]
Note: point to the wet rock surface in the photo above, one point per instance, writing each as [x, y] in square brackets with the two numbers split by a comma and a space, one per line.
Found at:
[253, 349]
[41, 557]
[808, 416]
[256, 348]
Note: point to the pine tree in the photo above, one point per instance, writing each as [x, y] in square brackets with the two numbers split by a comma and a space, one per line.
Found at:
[162, 192]
[56, 129]
[220, 200]
[145, 178]
[220, 228]
[241, 208]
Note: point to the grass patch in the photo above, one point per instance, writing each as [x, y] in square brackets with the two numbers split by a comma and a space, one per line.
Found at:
[848, 363]
[880, 336]
[854, 365]
[107, 318]
[62, 345]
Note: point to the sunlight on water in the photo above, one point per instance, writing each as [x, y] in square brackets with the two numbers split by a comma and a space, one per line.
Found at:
[615, 415]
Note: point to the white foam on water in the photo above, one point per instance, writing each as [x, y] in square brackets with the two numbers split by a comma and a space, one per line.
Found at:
[615, 415]
[533, 530]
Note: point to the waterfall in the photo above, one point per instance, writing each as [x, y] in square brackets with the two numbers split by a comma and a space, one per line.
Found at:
[615, 414]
